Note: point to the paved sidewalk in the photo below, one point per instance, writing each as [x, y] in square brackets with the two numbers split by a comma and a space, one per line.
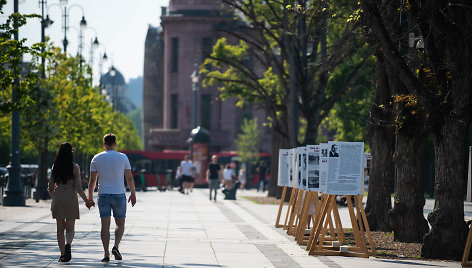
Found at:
[168, 229]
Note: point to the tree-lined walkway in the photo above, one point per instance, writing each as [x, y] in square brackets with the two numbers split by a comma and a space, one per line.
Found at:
[170, 230]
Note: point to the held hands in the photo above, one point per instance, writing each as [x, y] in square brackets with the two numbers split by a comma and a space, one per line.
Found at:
[89, 204]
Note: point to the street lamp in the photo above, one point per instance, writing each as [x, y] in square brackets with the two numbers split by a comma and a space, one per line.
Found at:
[194, 77]
[14, 194]
[114, 90]
[41, 192]
[65, 22]
[103, 60]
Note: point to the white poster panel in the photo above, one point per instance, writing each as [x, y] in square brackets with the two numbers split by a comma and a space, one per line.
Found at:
[323, 167]
[299, 168]
[302, 154]
[283, 176]
[313, 167]
[345, 168]
[296, 175]
[293, 173]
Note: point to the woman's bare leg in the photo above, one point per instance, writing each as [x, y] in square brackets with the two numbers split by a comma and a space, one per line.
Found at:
[70, 231]
[61, 225]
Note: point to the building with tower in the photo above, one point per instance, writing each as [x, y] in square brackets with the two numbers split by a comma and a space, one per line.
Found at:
[189, 29]
[114, 88]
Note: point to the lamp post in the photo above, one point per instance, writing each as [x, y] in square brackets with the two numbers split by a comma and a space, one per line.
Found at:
[194, 78]
[114, 90]
[43, 156]
[94, 45]
[14, 194]
[103, 61]
[65, 22]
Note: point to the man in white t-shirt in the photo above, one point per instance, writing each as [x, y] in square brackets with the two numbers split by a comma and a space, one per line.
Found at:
[111, 166]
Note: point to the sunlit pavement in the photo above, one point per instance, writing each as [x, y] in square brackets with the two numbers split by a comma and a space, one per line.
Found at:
[169, 229]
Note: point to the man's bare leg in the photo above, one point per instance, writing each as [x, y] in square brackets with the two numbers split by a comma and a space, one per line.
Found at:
[119, 231]
[105, 235]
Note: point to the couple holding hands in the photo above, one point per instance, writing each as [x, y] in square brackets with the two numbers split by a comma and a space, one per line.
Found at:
[111, 166]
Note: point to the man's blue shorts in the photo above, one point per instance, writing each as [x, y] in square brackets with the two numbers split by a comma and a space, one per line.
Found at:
[109, 202]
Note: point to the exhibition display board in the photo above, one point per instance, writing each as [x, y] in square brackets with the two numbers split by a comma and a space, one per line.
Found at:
[325, 171]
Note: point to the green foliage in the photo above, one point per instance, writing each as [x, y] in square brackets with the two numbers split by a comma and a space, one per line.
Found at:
[227, 69]
[65, 107]
[280, 47]
[347, 120]
[248, 140]
[11, 63]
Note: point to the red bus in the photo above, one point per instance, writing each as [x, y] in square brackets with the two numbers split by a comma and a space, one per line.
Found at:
[154, 169]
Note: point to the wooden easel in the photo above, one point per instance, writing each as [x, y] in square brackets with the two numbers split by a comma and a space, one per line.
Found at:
[310, 198]
[294, 217]
[317, 245]
[282, 200]
[323, 215]
[290, 208]
[465, 257]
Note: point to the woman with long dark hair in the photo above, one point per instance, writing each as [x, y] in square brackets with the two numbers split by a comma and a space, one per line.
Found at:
[64, 185]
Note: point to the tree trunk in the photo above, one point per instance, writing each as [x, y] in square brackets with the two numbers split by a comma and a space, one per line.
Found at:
[381, 141]
[448, 233]
[42, 174]
[406, 217]
[313, 120]
[279, 141]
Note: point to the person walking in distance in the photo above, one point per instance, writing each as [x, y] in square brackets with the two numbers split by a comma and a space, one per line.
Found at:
[187, 170]
[242, 177]
[214, 174]
[261, 169]
[63, 187]
[111, 166]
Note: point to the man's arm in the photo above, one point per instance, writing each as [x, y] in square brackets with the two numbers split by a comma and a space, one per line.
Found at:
[130, 182]
[91, 184]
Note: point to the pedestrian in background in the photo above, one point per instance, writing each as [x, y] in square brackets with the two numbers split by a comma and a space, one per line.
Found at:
[242, 177]
[214, 174]
[228, 176]
[63, 187]
[261, 169]
[111, 166]
[178, 180]
[187, 169]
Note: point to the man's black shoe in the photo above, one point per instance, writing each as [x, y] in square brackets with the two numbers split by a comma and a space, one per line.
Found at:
[106, 259]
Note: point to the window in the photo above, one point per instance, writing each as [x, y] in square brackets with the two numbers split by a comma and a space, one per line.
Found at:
[174, 109]
[206, 47]
[174, 55]
[205, 111]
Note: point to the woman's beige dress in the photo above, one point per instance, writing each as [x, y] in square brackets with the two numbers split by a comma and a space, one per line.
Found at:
[65, 204]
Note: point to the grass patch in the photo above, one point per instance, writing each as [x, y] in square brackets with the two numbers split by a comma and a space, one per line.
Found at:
[262, 200]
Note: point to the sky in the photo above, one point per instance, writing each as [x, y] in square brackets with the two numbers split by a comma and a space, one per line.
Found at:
[120, 26]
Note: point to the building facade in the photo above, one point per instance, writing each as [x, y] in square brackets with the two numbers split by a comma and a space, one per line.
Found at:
[153, 84]
[189, 31]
